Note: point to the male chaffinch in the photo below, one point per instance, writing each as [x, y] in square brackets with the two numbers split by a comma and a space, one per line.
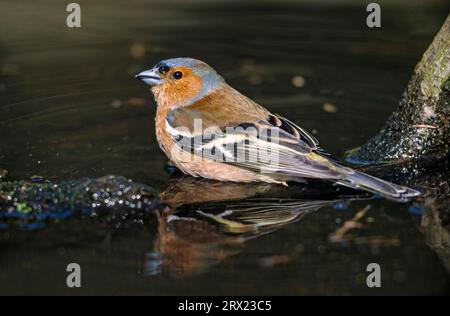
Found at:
[188, 91]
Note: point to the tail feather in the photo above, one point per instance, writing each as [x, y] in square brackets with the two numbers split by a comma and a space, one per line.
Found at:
[360, 180]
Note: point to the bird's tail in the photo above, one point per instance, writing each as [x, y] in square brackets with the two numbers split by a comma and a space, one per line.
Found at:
[360, 180]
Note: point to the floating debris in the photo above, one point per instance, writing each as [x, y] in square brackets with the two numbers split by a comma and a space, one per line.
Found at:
[137, 50]
[298, 81]
[115, 104]
[255, 73]
[136, 102]
[341, 233]
[255, 80]
[329, 107]
[272, 261]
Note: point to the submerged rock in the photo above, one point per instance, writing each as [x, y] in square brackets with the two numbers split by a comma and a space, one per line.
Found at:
[109, 196]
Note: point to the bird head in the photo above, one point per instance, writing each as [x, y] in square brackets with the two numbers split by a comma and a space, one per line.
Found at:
[181, 81]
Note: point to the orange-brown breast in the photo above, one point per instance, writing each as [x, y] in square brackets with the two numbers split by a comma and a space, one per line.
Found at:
[225, 107]
[164, 139]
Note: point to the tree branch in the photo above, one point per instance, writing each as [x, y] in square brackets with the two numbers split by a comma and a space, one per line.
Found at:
[419, 128]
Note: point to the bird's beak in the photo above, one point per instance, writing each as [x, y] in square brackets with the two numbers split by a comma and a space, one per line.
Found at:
[151, 77]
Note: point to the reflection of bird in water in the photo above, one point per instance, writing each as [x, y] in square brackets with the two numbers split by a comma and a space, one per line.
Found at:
[211, 221]
[188, 190]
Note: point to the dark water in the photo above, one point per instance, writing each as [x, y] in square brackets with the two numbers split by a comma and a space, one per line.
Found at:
[70, 108]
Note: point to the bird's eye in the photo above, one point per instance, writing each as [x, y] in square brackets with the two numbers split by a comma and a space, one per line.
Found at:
[163, 69]
[178, 75]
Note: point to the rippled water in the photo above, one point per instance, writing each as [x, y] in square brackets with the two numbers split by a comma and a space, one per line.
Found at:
[70, 108]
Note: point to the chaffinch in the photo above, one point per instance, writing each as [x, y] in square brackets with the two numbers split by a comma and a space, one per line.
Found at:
[208, 129]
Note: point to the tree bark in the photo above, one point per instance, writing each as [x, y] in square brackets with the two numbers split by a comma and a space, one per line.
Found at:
[419, 128]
